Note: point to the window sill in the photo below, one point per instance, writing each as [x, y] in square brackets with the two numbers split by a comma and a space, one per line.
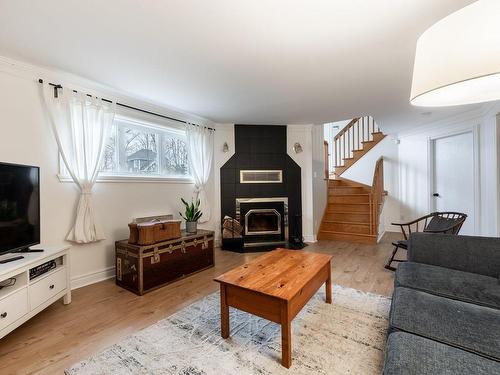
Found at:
[157, 179]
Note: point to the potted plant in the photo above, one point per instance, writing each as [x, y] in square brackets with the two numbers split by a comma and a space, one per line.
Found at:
[192, 214]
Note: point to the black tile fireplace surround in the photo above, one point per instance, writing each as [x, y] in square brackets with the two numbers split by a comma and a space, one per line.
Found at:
[276, 206]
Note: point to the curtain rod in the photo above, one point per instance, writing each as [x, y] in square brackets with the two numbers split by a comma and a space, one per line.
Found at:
[126, 106]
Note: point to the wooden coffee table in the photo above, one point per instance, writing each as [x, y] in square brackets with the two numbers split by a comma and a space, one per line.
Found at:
[275, 286]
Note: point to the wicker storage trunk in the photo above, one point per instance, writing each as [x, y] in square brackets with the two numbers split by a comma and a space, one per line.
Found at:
[153, 232]
[141, 269]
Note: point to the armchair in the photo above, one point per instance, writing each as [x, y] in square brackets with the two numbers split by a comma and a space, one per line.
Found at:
[435, 222]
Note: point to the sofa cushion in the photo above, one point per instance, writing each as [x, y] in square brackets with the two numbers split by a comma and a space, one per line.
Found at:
[463, 286]
[479, 255]
[464, 325]
[409, 354]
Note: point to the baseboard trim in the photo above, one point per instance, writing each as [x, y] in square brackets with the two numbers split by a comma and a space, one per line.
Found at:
[92, 277]
[310, 238]
[381, 235]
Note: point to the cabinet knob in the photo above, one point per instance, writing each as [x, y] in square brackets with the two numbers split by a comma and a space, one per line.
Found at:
[51, 287]
[3, 315]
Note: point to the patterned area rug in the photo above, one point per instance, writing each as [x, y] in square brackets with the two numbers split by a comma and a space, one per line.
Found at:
[346, 337]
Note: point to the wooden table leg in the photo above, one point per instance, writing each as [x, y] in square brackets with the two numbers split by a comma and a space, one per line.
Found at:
[286, 336]
[224, 313]
[328, 284]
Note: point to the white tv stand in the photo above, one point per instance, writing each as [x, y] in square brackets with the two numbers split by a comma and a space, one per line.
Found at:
[26, 298]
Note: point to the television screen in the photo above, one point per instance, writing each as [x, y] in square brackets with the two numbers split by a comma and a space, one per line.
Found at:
[19, 207]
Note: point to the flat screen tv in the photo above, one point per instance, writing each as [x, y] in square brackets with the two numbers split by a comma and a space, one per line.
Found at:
[19, 207]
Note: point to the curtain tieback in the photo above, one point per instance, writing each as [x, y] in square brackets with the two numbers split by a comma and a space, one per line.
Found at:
[86, 190]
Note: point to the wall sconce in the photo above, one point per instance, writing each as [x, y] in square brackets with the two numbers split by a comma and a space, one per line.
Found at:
[297, 147]
[225, 147]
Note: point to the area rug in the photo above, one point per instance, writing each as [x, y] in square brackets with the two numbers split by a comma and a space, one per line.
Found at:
[346, 337]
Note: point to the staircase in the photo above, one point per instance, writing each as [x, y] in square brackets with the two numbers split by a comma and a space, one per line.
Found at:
[351, 143]
[353, 209]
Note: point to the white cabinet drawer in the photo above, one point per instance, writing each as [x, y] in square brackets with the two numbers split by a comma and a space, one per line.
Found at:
[46, 288]
[13, 307]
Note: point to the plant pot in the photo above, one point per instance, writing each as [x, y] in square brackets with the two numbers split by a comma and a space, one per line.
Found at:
[191, 226]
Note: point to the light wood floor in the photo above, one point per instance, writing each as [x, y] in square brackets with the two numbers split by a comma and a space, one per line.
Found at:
[102, 314]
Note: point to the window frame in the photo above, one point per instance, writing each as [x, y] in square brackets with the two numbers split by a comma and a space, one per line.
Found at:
[149, 122]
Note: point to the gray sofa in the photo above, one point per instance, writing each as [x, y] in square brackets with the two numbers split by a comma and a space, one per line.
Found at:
[445, 311]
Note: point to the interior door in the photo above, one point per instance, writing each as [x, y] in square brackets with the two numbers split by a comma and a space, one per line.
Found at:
[453, 182]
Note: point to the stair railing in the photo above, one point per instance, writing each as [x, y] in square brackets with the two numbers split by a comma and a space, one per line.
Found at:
[377, 196]
[326, 158]
[350, 139]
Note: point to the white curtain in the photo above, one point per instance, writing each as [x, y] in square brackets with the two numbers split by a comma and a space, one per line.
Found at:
[200, 141]
[81, 126]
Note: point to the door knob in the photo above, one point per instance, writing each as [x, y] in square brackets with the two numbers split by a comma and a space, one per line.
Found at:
[51, 286]
[3, 315]
[435, 195]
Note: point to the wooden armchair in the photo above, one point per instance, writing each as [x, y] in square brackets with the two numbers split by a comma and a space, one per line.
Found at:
[435, 222]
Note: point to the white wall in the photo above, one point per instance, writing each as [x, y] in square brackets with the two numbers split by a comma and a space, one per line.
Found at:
[303, 135]
[415, 162]
[318, 171]
[224, 133]
[362, 171]
[27, 139]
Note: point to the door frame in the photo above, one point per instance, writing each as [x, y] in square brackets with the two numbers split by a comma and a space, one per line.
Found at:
[474, 130]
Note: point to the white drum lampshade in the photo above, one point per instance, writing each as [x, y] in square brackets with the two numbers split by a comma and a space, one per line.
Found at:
[458, 59]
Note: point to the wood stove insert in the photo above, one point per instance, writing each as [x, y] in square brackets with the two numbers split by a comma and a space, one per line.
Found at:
[265, 220]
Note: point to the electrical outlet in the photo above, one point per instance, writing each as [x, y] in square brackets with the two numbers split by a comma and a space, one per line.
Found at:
[315, 174]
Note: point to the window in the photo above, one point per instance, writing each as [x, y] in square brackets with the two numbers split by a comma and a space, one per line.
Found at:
[138, 149]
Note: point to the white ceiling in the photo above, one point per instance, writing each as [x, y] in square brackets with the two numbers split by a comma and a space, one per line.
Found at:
[245, 61]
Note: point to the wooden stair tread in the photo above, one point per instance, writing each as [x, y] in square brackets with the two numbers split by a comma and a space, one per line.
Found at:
[341, 188]
[345, 222]
[344, 192]
[349, 194]
[337, 203]
[346, 187]
[348, 233]
[330, 212]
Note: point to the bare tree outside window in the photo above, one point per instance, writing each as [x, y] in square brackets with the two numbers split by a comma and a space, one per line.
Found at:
[175, 156]
[133, 149]
[109, 161]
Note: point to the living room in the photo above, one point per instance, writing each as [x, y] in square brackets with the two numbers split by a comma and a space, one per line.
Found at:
[194, 172]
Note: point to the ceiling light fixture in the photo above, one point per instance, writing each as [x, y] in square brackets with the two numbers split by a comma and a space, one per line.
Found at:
[458, 59]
